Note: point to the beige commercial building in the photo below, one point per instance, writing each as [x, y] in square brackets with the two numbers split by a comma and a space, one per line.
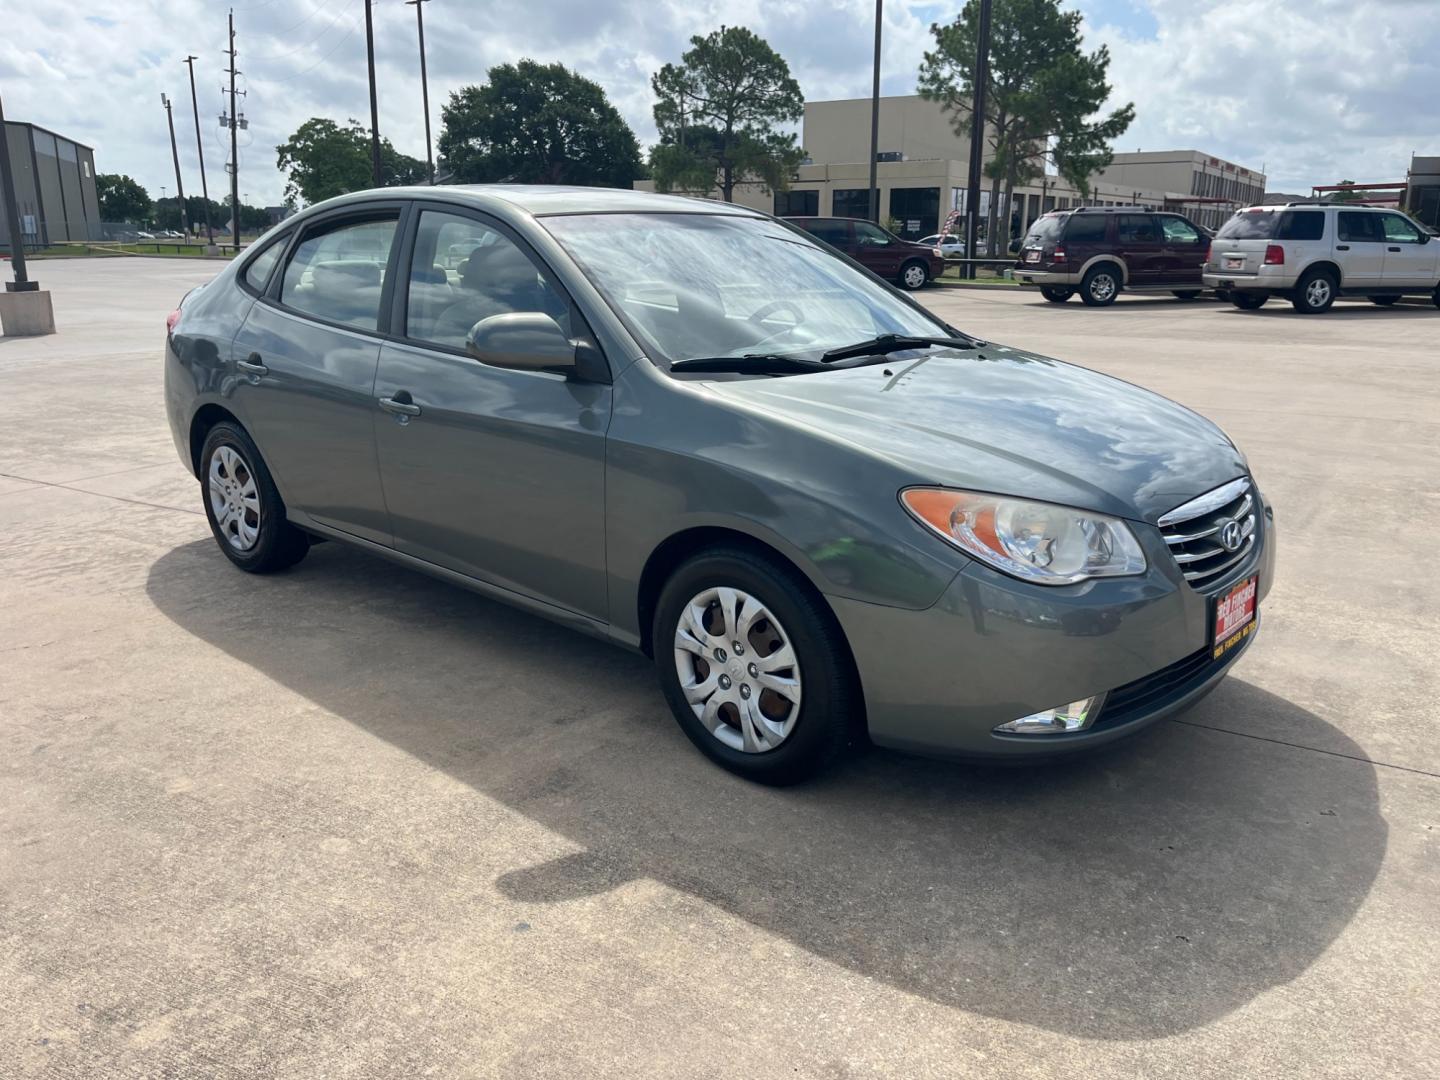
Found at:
[923, 165]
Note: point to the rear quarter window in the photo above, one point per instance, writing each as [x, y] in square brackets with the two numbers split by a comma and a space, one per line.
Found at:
[1302, 225]
[1085, 229]
[1250, 225]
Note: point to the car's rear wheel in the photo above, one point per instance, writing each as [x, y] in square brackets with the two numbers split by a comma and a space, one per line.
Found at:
[245, 511]
[1055, 294]
[1100, 287]
[1186, 294]
[1383, 301]
[755, 666]
[1249, 301]
[1314, 293]
[1435, 296]
[914, 275]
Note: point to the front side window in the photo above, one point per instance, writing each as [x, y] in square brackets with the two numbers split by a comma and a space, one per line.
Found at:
[1179, 231]
[867, 235]
[337, 273]
[463, 271]
[703, 285]
[1137, 229]
[1357, 226]
[1399, 230]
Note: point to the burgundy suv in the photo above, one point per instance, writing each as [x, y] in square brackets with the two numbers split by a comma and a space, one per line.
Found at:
[883, 253]
[1100, 250]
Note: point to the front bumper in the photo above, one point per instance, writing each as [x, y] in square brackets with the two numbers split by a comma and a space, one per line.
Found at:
[993, 649]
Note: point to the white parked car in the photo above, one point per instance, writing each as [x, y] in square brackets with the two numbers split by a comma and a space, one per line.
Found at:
[1312, 253]
[950, 245]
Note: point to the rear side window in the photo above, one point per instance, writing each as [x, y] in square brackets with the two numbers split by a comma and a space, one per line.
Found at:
[258, 272]
[834, 233]
[337, 273]
[1085, 229]
[1250, 225]
[1302, 225]
[1136, 229]
[1359, 226]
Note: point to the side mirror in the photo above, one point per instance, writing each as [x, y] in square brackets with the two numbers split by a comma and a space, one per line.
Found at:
[523, 340]
[1424, 237]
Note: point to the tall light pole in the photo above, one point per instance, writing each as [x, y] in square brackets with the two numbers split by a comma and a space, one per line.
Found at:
[200, 152]
[175, 154]
[374, 105]
[977, 133]
[234, 146]
[875, 118]
[12, 217]
[419, 6]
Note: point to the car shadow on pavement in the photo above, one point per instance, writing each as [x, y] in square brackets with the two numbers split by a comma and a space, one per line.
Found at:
[1132, 895]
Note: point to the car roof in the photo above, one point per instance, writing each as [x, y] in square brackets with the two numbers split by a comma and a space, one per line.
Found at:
[539, 200]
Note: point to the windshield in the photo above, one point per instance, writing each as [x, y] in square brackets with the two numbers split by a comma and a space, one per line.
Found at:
[1249, 225]
[714, 285]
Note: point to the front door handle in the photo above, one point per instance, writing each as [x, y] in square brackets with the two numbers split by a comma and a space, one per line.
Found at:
[1392, 249]
[1342, 247]
[251, 365]
[398, 407]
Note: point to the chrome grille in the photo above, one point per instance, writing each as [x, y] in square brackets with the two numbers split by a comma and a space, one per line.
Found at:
[1210, 534]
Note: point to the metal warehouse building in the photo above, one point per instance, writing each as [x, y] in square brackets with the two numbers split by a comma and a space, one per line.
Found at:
[54, 186]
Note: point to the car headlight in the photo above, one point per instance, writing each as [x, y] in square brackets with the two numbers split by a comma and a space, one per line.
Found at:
[1033, 541]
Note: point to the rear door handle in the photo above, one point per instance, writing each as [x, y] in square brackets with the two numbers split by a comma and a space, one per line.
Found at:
[1342, 247]
[252, 365]
[400, 408]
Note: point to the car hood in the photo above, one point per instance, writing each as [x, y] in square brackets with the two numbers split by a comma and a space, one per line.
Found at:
[1012, 423]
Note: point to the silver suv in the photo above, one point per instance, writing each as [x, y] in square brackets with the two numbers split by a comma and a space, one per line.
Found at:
[1312, 253]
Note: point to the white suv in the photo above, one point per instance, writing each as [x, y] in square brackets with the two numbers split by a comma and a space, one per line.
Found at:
[1314, 252]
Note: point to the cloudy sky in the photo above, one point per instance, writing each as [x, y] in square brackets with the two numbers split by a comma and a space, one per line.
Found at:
[1313, 90]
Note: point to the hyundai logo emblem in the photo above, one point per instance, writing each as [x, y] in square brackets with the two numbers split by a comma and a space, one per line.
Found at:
[1231, 535]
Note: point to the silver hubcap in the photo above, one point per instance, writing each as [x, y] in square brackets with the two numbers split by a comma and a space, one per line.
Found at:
[1103, 287]
[914, 277]
[234, 499]
[1317, 292]
[738, 669]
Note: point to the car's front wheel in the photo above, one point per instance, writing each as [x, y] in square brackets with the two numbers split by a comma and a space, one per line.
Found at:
[1055, 294]
[1249, 301]
[755, 666]
[914, 275]
[1314, 293]
[246, 514]
[1100, 287]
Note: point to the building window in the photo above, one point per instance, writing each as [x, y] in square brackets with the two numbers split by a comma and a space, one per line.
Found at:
[916, 211]
[851, 202]
[797, 203]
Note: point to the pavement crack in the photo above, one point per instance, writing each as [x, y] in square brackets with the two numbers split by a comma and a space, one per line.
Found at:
[1302, 746]
[100, 494]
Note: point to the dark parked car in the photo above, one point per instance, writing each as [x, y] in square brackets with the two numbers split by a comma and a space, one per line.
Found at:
[1100, 250]
[881, 252]
[686, 428]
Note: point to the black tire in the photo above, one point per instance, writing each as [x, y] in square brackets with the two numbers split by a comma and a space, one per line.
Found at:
[1186, 294]
[1314, 292]
[278, 544]
[1435, 296]
[1101, 285]
[1383, 301]
[914, 275]
[1249, 301]
[831, 711]
[1055, 294]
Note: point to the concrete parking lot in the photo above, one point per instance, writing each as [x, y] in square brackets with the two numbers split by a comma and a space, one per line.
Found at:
[351, 822]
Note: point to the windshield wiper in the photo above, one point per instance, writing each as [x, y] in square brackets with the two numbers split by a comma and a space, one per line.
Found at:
[889, 343]
[758, 363]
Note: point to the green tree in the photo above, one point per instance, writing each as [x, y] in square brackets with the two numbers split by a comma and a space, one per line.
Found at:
[537, 123]
[121, 199]
[717, 112]
[1043, 95]
[322, 159]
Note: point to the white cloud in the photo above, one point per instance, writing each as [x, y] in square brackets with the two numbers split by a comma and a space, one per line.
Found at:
[1315, 89]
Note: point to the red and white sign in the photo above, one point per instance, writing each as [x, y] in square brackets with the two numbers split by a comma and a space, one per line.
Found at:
[1235, 615]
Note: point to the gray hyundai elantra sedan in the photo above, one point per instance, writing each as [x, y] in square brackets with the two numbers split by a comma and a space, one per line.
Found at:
[695, 431]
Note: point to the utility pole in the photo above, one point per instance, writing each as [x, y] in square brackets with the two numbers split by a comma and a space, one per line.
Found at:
[200, 152]
[875, 119]
[977, 134]
[12, 218]
[175, 153]
[374, 106]
[234, 145]
[419, 6]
